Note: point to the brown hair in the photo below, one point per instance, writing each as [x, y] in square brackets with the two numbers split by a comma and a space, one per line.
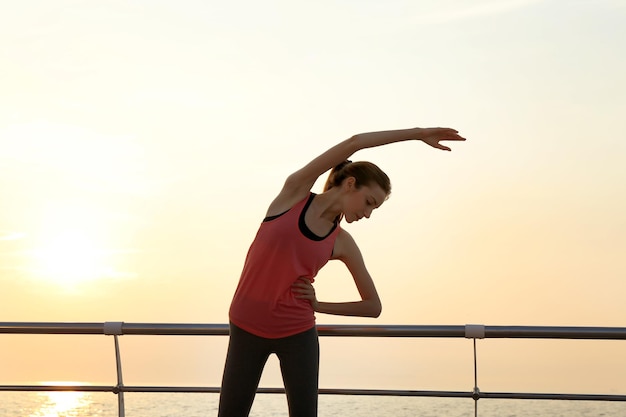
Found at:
[364, 172]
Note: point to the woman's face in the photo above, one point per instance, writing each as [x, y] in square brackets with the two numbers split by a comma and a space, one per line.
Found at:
[360, 202]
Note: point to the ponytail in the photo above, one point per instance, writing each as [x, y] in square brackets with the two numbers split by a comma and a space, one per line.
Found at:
[335, 177]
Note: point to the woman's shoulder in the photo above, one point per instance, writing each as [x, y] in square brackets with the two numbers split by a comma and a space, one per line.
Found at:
[285, 200]
[297, 186]
[345, 245]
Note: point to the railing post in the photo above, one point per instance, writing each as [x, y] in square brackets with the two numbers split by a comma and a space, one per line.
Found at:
[114, 328]
[475, 331]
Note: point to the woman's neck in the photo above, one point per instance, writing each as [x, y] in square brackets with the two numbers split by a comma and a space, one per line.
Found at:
[327, 205]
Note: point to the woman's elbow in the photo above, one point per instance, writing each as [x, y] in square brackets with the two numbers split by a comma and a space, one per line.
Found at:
[376, 309]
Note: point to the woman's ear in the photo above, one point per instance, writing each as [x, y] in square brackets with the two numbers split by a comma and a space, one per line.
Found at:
[349, 183]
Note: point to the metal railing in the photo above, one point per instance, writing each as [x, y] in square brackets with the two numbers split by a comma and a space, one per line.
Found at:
[474, 332]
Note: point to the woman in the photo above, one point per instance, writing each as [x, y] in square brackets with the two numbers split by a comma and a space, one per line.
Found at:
[274, 305]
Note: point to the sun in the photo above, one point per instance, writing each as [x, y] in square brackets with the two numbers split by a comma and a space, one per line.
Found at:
[71, 257]
[72, 247]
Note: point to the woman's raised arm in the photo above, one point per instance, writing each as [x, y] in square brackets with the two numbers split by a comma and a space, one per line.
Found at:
[300, 182]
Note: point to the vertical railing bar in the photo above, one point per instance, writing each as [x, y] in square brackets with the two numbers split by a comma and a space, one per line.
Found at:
[475, 367]
[120, 383]
[114, 328]
[475, 331]
[476, 391]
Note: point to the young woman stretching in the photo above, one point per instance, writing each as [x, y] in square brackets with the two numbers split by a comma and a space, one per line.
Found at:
[273, 309]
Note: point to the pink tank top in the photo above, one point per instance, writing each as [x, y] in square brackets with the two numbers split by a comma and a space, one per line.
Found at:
[283, 250]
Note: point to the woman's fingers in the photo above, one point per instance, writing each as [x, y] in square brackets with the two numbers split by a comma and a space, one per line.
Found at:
[304, 288]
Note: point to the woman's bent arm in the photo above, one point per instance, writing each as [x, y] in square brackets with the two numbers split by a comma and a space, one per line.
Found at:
[347, 251]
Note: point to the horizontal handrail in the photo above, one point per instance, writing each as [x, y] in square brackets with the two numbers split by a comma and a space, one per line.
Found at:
[416, 331]
[438, 331]
[323, 391]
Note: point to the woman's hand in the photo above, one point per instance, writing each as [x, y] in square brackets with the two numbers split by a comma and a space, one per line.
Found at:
[303, 288]
[433, 135]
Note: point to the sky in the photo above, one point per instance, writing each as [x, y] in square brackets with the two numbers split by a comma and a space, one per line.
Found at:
[142, 141]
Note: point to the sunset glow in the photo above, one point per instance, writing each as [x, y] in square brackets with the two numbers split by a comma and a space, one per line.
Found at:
[62, 403]
[142, 142]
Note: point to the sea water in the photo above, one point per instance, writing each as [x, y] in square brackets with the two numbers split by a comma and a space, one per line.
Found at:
[88, 404]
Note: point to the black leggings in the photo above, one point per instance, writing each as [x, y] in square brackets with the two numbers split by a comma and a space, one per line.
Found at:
[246, 358]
